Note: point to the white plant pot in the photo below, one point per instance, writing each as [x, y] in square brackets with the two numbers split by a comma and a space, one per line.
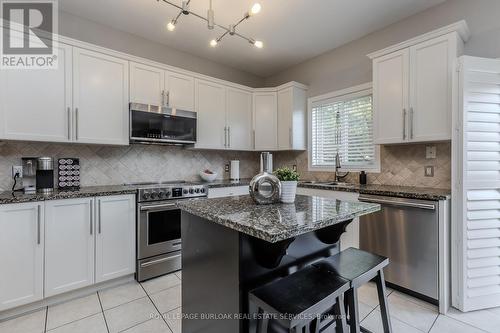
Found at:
[288, 191]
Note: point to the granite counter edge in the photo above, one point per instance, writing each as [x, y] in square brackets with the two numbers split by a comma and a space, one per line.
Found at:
[272, 237]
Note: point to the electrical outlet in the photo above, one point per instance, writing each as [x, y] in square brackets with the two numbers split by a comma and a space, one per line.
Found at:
[430, 152]
[17, 169]
[429, 171]
[226, 167]
[294, 167]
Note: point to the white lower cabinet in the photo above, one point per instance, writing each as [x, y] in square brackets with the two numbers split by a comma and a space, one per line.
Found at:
[115, 237]
[350, 238]
[21, 254]
[231, 191]
[69, 245]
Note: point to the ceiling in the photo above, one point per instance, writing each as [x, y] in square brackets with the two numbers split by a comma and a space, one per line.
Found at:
[292, 30]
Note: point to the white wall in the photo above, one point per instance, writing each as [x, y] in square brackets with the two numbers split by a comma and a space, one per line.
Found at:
[99, 34]
[348, 65]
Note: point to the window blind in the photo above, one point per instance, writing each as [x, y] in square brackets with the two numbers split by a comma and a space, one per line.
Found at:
[344, 125]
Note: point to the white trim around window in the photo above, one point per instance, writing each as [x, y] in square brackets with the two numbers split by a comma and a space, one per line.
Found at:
[331, 98]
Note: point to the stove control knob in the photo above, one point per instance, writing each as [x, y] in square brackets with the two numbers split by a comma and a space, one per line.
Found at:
[161, 194]
[154, 195]
[168, 193]
[191, 191]
[146, 195]
[202, 190]
[185, 191]
[197, 190]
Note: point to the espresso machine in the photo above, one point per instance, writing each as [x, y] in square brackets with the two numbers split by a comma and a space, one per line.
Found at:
[45, 175]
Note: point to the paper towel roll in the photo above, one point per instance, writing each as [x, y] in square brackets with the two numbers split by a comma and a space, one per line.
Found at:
[235, 170]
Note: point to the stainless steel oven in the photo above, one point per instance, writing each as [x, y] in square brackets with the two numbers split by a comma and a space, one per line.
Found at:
[159, 228]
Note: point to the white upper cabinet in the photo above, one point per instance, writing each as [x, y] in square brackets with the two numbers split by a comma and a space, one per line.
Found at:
[147, 84]
[36, 104]
[431, 67]
[69, 245]
[100, 98]
[265, 119]
[211, 109]
[292, 118]
[390, 97]
[239, 119]
[21, 249]
[156, 86]
[86, 100]
[115, 237]
[179, 91]
[412, 87]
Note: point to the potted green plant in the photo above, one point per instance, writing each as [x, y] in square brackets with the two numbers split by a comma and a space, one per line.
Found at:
[288, 179]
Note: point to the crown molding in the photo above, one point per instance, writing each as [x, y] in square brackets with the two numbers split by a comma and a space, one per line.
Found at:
[459, 27]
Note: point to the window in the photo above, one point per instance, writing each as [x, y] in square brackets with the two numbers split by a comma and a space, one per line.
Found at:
[342, 122]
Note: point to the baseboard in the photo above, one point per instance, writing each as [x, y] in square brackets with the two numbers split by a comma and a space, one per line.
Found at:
[57, 299]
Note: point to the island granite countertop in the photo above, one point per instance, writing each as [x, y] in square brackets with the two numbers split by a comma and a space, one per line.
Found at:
[276, 222]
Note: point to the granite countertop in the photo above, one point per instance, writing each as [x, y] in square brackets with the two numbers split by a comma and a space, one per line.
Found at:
[410, 192]
[89, 191]
[276, 222]
[423, 193]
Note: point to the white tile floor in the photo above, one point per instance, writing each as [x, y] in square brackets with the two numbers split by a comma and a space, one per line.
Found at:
[136, 308]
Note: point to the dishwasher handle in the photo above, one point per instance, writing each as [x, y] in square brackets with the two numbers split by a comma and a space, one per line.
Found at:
[397, 202]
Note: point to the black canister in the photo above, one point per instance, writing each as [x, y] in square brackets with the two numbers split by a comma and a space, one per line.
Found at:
[362, 178]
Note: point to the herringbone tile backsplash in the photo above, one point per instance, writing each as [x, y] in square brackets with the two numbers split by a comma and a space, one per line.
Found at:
[400, 165]
[110, 165]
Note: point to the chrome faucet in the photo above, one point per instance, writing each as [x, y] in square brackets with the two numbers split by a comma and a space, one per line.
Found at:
[338, 166]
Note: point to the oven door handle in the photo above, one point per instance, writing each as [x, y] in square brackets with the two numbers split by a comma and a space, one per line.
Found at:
[155, 207]
[158, 261]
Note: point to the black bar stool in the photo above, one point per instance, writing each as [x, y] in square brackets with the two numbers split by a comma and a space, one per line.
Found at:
[297, 302]
[359, 267]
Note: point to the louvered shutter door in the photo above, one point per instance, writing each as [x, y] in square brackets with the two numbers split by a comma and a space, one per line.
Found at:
[476, 256]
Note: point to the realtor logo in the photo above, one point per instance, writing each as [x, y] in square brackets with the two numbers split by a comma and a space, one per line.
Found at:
[29, 36]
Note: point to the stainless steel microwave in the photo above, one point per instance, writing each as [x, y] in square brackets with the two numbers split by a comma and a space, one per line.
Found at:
[161, 125]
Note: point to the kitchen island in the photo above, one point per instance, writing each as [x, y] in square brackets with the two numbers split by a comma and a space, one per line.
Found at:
[232, 245]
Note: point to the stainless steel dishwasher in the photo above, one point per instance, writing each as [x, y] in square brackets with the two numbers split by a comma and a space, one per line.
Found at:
[405, 231]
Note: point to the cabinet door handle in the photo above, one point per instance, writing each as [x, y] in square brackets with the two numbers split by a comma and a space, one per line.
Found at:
[69, 123]
[168, 98]
[76, 123]
[411, 123]
[99, 214]
[225, 137]
[404, 124]
[38, 222]
[91, 218]
[253, 140]
[229, 136]
[290, 139]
